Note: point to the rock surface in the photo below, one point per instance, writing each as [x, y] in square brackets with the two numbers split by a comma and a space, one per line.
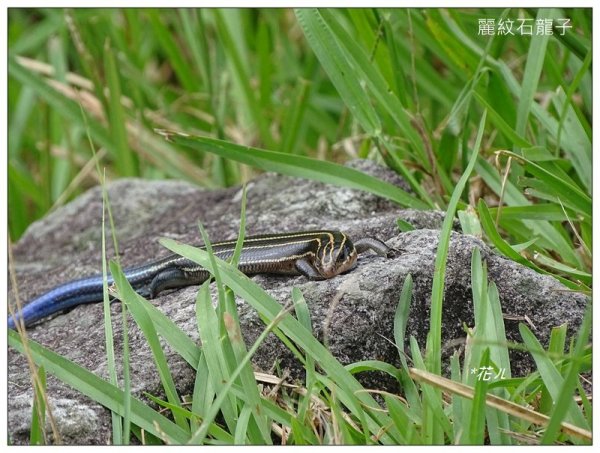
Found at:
[352, 313]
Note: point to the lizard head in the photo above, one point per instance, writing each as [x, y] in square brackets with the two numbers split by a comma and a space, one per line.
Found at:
[336, 254]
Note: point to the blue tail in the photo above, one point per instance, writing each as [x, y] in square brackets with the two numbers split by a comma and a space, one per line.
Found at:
[62, 297]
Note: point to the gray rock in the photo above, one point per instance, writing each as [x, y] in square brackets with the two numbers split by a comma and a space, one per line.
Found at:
[77, 422]
[352, 313]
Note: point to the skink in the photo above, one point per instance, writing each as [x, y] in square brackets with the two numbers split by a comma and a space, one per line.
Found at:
[317, 255]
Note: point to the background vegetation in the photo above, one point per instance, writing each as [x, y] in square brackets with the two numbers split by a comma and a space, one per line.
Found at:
[411, 88]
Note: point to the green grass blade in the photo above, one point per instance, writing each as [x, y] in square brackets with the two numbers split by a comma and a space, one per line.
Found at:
[144, 321]
[203, 393]
[249, 385]
[553, 381]
[195, 31]
[565, 399]
[497, 119]
[51, 24]
[374, 365]
[117, 422]
[459, 404]
[341, 433]
[477, 424]
[199, 436]
[542, 211]
[299, 166]
[64, 106]
[400, 322]
[171, 48]
[401, 317]
[572, 41]
[173, 335]
[577, 143]
[406, 427]
[479, 288]
[339, 69]
[235, 259]
[437, 291]
[435, 423]
[374, 80]
[208, 324]
[266, 63]
[558, 337]
[22, 188]
[303, 316]
[241, 428]
[496, 333]
[489, 346]
[469, 222]
[576, 274]
[533, 69]
[504, 247]
[124, 159]
[549, 235]
[351, 396]
[224, 21]
[569, 194]
[100, 391]
[38, 410]
[214, 430]
[17, 127]
[295, 119]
